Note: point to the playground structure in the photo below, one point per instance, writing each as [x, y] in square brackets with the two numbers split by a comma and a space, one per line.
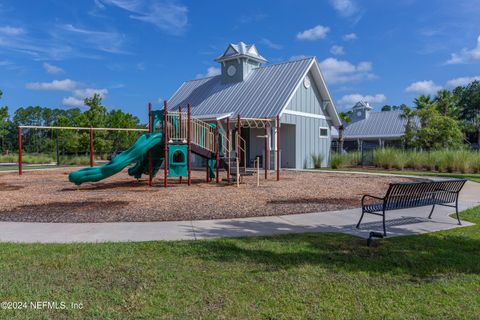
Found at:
[171, 139]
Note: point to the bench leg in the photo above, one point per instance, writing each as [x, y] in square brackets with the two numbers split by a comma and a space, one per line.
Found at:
[456, 211]
[430, 215]
[361, 217]
[384, 228]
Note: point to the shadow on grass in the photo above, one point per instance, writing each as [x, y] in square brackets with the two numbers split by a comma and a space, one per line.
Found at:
[424, 257]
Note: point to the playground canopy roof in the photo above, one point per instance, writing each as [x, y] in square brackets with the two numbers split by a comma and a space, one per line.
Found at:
[264, 94]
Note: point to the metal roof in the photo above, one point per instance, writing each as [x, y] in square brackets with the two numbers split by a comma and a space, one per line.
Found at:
[263, 94]
[241, 50]
[386, 124]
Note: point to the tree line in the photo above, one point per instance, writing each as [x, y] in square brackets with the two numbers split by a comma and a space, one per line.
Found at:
[450, 119]
[70, 142]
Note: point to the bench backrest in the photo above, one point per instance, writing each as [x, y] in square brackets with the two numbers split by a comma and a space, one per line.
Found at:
[414, 194]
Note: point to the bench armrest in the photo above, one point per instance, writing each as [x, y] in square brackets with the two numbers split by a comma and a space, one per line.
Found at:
[370, 196]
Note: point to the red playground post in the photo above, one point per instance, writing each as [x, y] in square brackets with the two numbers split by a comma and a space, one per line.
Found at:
[229, 145]
[217, 154]
[150, 159]
[180, 130]
[188, 145]
[278, 147]
[267, 151]
[20, 169]
[91, 147]
[239, 132]
[165, 134]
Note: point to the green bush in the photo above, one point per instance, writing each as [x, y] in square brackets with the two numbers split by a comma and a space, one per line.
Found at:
[343, 160]
[385, 158]
[317, 160]
[336, 161]
[27, 158]
[463, 161]
[475, 162]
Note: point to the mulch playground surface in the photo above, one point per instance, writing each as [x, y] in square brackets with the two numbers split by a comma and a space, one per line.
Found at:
[48, 196]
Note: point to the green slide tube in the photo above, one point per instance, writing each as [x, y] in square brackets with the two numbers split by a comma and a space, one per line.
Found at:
[136, 153]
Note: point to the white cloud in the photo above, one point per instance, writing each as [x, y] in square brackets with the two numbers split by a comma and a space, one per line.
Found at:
[111, 42]
[298, 57]
[79, 95]
[315, 33]
[55, 85]
[51, 69]
[341, 71]
[11, 31]
[271, 44]
[337, 50]
[351, 99]
[73, 102]
[462, 81]
[350, 37]
[89, 92]
[211, 71]
[345, 7]
[166, 16]
[427, 87]
[466, 55]
[79, 92]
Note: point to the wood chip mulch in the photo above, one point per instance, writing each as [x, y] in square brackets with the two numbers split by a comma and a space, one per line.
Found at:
[48, 196]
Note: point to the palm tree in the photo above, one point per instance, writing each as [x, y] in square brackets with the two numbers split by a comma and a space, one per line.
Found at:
[445, 103]
[423, 102]
[408, 114]
[345, 119]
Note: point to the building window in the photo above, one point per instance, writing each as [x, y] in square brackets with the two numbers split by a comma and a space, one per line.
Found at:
[323, 132]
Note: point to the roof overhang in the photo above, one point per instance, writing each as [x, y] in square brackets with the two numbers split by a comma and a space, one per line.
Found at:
[373, 136]
[213, 116]
[240, 56]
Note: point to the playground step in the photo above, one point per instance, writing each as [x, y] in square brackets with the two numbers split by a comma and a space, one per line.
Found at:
[231, 166]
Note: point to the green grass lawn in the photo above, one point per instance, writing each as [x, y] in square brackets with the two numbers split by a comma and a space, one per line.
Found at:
[470, 176]
[32, 167]
[315, 276]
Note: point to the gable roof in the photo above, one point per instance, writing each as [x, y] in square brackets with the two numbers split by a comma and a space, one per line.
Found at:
[265, 93]
[241, 50]
[362, 105]
[386, 124]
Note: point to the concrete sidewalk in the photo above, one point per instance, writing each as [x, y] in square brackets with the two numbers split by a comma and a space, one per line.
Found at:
[399, 223]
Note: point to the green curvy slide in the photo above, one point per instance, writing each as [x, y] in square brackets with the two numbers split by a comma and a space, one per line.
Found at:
[136, 153]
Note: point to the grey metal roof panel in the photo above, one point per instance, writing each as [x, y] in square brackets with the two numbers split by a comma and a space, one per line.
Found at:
[262, 95]
[379, 124]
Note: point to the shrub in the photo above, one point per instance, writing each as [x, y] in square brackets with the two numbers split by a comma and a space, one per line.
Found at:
[462, 160]
[385, 158]
[475, 162]
[343, 160]
[317, 160]
[416, 160]
[337, 160]
[400, 160]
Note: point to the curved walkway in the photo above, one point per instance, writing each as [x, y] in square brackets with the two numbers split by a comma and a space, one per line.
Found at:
[400, 222]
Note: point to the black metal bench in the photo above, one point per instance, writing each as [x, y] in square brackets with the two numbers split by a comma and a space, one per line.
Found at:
[415, 194]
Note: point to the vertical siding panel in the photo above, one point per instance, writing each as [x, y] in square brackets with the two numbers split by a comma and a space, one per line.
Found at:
[307, 130]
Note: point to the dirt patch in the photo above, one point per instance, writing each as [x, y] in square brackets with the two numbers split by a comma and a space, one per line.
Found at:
[48, 196]
[80, 211]
[9, 187]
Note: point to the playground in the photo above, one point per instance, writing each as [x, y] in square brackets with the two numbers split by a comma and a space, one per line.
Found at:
[48, 196]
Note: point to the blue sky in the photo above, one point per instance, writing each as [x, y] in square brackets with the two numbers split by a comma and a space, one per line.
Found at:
[55, 53]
